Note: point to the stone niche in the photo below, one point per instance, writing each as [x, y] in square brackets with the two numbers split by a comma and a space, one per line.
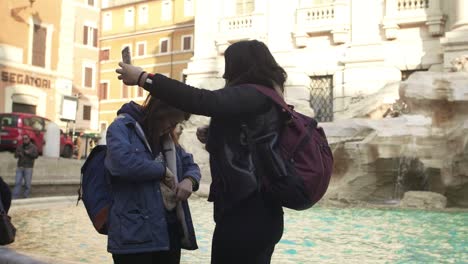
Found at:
[423, 150]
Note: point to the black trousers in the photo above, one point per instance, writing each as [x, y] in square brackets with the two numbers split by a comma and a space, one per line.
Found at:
[160, 257]
[171, 256]
[248, 232]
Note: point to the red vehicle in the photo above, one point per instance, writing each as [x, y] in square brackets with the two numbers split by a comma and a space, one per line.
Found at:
[14, 125]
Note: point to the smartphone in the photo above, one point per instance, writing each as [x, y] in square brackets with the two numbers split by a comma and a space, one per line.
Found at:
[126, 58]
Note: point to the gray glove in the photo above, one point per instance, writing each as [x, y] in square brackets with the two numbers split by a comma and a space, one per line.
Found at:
[128, 73]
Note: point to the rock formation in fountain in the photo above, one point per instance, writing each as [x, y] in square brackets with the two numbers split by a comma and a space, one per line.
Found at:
[424, 150]
[421, 145]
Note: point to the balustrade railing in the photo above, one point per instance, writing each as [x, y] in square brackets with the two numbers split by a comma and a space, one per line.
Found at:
[412, 4]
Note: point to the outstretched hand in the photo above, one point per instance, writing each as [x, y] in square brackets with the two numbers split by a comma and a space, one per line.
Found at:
[128, 73]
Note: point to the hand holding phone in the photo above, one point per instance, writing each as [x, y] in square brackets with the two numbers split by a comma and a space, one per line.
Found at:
[126, 58]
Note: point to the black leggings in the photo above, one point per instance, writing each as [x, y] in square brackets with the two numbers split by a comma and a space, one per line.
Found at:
[247, 233]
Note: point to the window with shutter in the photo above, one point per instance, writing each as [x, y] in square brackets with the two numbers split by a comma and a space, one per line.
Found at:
[39, 46]
[103, 91]
[88, 77]
[141, 49]
[244, 7]
[187, 45]
[140, 92]
[95, 37]
[124, 91]
[85, 35]
[104, 55]
[86, 112]
[164, 46]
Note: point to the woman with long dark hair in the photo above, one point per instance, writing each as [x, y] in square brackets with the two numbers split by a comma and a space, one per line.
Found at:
[249, 221]
[152, 178]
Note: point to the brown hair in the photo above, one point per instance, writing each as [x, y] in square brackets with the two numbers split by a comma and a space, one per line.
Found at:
[156, 112]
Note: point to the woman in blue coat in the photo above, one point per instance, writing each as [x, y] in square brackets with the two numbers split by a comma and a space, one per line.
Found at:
[152, 178]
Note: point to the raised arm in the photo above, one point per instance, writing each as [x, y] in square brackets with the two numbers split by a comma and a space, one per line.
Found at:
[231, 101]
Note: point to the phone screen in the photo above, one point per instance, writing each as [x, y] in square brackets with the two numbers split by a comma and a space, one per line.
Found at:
[126, 58]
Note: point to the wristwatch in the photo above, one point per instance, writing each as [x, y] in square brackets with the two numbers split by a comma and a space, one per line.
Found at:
[148, 81]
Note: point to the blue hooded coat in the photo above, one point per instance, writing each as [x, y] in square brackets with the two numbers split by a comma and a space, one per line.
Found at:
[137, 218]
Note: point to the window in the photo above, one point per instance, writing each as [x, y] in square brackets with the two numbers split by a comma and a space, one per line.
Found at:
[188, 8]
[321, 97]
[141, 49]
[103, 91]
[244, 7]
[129, 16]
[39, 46]
[143, 14]
[107, 21]
[164, 46]
[90, 36]
[86, 112]
[35, 123]
[186, 42]
[166, 10]
[91, 2]
[23, 108]
[124, 91]
[104, 54]
[88, 77]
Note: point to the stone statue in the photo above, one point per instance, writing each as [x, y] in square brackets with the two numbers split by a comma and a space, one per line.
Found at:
[460, 64]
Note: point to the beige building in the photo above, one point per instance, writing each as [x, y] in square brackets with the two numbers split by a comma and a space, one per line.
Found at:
[47, 59]
[86, 63]
[159, 34]
[29, 57]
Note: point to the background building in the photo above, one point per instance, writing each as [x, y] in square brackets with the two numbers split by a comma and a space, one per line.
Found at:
[45, 60]
[341, 56]
[160, 36]
[29, 58]
[86, 63]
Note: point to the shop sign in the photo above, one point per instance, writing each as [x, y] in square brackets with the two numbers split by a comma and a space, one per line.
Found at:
[20, 78]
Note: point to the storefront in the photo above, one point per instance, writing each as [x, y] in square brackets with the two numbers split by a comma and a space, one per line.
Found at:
[26, 91]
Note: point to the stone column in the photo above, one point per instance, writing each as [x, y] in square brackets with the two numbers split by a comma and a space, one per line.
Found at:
[455, 42]
[389, 22]
[461, 15]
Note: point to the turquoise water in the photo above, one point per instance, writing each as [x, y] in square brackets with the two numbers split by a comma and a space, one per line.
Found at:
[318, 235]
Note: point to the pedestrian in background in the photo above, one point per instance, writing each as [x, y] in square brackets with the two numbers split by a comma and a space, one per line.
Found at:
[26, 154]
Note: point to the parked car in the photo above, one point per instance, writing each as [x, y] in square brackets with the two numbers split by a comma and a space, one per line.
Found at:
[14, 125]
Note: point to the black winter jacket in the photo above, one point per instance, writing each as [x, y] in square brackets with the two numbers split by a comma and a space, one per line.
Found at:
[228, 108]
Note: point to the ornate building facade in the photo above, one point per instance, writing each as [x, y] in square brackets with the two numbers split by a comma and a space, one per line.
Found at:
[337, 53]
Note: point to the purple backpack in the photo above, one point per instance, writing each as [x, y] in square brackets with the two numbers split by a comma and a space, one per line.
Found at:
[304, 164]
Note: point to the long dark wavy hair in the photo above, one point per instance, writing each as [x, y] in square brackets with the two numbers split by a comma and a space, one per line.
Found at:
[157, 112]
[251, 61]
